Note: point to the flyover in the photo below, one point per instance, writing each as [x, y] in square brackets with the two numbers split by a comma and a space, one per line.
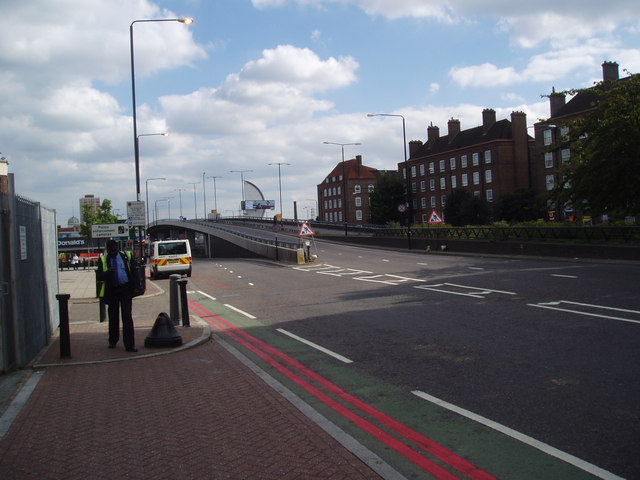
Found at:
[212, 239]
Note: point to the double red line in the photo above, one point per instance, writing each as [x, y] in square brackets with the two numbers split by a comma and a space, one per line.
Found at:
[296, 372]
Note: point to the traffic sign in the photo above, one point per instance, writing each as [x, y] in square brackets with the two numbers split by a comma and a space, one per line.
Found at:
[305, 230]
[136, 214]
[109, 230]
[435, 217]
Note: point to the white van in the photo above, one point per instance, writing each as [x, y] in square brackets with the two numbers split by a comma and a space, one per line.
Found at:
[170, 256]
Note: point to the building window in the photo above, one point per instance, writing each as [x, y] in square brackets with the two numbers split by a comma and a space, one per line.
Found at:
[564, 132]
[548, 160]
[415, 204]
[465, 180]
[463, 161]
[487, 156]
[357, 189]
[423, 202]
[433, 202]
[413, 171]
[423, 186]
[325, 204]
[443, 200]
[414, 187]
[432, 167]
[442, 165]
[404, 173]
[339, 203]
[452, 163]
[422, 170]
[443, 183]
[550, 181]
[476, 193]
[476, 178]
[474, 159]
[371, 188]
[547, 137]
[358, 201]
[488, 177]
[565, 154]
[489, 195]
[454, 182]
[432, 184]
[359, 215]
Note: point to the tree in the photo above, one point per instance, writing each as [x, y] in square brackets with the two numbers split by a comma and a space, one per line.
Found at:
[464, 208]
[104, 215]
[521, 205]
[603, 173]
[385, 198]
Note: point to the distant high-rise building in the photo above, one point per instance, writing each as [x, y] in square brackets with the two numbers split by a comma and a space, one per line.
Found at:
[90, 200]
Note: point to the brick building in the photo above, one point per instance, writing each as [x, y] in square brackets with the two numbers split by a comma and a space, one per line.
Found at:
[488, 160]
[92, 201]
[344, 193]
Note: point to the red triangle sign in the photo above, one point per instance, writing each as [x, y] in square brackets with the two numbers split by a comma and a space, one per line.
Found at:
[435, 217]
[305, 230]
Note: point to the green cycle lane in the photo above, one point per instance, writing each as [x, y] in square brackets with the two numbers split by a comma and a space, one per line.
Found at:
[491, 451]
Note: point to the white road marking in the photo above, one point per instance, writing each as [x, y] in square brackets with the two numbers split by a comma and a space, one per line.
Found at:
[476, 292]
[543, 447]
[248, 315]
[316, 346]
[206, 295]
[476, 268]
[563, 276]
[395, 279]
[555, 306]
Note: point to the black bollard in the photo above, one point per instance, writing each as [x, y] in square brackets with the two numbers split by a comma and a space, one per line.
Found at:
[182, 283]
[63, 307]
[174, 309]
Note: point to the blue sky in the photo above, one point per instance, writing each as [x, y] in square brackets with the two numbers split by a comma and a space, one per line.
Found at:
[264, 81]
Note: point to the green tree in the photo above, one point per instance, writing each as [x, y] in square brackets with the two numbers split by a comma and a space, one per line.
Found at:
[104, 215]
[521, 205]
[464, 208]
[603, 173]
[385, 198]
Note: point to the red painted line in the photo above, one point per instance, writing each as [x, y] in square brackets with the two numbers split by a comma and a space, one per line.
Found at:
[444, 454]
[209, 281]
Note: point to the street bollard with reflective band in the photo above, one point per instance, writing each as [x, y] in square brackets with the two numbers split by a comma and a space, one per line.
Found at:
[184, 302]
[173, 298]
[63, 308]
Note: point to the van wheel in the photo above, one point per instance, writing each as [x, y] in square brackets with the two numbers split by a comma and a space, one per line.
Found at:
[154, 274]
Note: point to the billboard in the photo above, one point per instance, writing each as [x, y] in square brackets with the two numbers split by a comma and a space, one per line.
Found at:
[259, 205]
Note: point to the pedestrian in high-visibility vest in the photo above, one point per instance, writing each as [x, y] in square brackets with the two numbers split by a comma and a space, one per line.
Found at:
[118, 275]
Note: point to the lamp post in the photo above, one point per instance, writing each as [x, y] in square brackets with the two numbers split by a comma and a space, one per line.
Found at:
[136, 147]
[180, 190]
[345, 183]
[280, 183]
[406, 169]
[215, 195]
[156, 206]
[195, 207]
[241, 172]
[146, 188]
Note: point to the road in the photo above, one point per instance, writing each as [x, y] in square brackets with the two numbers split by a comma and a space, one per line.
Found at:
[544, 350]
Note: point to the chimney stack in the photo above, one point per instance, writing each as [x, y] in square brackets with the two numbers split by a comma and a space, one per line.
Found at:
[556, 102]
[610, 71]
[488, 119]
[433, 134]
[454, 128]
[414, 146]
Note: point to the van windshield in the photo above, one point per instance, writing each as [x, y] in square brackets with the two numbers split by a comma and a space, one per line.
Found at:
[172, 248]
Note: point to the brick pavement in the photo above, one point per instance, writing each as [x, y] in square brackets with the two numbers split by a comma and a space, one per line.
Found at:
[196, 413]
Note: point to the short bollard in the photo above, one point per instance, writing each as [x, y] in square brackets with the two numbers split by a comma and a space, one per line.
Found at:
[102, 306]
[63, 308]
[173, 298]
[184, 302]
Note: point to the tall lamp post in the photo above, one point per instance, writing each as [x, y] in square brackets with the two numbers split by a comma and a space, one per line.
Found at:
[406, 170]
[146, 189]
[180, 190]
[279, 164]
[345, 182]
[195, 207]
[241, 172]
[215, 195]
[136, 147]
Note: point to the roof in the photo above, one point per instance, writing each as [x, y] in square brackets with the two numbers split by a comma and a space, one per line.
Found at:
[500, 130]
[354, 170]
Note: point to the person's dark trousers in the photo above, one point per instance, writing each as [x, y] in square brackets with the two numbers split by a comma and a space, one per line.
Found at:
[121, 301]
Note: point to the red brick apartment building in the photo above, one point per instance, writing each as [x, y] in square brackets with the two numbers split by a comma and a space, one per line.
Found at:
[344, 193]
[487, 160]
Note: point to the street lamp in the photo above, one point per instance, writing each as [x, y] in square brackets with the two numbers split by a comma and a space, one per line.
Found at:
[195, 207]
[180, 190]
[406, 169]
[156, 206]
[146, 188]
[241, 172]
[136, 147]
[345, 184]
[280, 183]
[215, 195]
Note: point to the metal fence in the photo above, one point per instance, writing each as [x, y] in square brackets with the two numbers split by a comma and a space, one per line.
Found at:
[28, 278]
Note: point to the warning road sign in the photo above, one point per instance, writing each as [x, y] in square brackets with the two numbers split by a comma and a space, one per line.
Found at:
[435, 217]
[305, 230]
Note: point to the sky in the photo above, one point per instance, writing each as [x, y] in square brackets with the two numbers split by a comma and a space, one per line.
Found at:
[254, 83]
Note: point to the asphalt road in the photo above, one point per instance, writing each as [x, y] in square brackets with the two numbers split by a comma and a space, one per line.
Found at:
[547, 348]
